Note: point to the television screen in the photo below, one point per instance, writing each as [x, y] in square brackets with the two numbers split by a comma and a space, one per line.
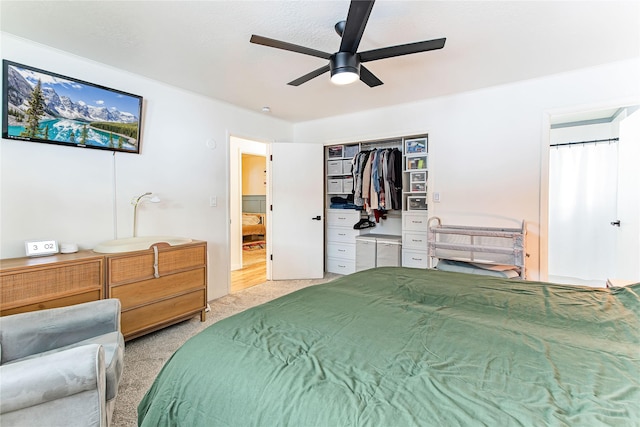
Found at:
[42, 106]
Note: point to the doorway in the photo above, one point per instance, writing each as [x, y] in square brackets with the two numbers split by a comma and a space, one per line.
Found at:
[248, 193]
[584, 195]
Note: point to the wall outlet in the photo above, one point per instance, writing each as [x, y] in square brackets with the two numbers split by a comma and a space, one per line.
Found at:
[436, 197]
[213, 201]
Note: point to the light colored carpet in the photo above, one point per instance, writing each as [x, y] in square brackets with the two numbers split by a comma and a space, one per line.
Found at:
[145, 356]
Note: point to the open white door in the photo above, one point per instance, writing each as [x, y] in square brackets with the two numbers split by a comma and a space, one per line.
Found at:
[296, 215]
[628, 236]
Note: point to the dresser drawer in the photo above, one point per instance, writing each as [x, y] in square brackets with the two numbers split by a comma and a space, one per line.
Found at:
[341, 266]
[342, 218]
[341, 250]
[151, 290]
[415, 221]
[414, 240]
[343, 235]
[163, 312]
[414, 259]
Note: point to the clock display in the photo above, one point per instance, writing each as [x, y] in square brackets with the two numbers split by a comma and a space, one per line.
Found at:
[41, 247]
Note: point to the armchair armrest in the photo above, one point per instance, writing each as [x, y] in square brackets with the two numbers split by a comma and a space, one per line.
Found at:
[25, 334]
[34, 390]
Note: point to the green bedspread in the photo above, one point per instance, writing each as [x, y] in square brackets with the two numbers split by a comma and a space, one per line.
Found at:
[403, 347]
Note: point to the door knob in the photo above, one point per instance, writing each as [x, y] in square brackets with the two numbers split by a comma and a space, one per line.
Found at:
[316, 218]
[616, 223]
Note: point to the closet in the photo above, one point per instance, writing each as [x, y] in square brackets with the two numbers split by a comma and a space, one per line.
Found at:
[376, 196]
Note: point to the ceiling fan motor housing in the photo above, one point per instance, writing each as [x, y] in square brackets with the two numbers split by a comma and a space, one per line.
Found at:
[341, 62]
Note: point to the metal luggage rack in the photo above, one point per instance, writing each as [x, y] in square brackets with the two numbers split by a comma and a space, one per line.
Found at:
[486, 245]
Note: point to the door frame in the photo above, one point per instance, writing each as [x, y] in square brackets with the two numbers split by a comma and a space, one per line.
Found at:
[543, 215]
[233, 147]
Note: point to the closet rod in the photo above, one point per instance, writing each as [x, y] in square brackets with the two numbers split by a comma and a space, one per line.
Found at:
[585, 142]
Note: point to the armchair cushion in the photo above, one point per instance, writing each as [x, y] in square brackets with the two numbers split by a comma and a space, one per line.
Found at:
[113, 347]
[44, 361]
[35, 332]
[63, 388]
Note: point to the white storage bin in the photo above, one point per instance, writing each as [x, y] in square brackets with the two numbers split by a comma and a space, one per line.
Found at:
[334, 185]
[335, 151]
[416, 163]
[418, 187]
[351, 150]
[365, 252]
[347, 185]
[415, 146]
[388, 252]
[418, 177]
[334, 167]
[416, 203]
[346, 166]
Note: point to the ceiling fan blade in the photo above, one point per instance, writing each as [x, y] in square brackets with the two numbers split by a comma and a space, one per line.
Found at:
[357, 18]
[369, 78]
[265, 41]
[404, 49]
[309, 76]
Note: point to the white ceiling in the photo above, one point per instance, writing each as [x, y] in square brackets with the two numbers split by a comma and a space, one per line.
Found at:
[203, 46]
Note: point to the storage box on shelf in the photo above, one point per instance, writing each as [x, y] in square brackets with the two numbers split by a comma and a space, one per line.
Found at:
[338, 170]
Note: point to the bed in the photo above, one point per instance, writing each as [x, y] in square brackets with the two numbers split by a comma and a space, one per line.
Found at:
[253, 224]
[397, 346]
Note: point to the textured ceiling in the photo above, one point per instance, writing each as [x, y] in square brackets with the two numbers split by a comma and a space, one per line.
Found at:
[203, 46]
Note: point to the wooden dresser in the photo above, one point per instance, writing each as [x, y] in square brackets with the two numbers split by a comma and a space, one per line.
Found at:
[28, 284]
[155, 298]
[156, 287]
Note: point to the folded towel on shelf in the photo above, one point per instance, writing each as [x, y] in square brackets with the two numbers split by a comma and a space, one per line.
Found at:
[345, 206]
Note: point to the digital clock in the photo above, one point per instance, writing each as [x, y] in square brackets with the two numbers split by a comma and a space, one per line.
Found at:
[41, 247]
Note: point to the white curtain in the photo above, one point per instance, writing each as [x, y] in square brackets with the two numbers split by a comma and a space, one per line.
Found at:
[582, 204]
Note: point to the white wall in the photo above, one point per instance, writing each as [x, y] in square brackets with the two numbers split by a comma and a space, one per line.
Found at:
[486, 156]
[67, 193]
[486, 146]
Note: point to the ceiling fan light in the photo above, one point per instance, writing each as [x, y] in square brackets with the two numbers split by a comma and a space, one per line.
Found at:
[345, 68]
[344, 77]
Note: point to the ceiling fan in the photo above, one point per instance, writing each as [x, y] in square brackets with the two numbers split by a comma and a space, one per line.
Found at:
[345, 65]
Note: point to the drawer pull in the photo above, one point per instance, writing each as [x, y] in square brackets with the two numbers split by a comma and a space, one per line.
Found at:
[341, 217]
[156, 274]
[416, 240]
[416, 259]
[342, 266]
[341, 250]
[342, 234]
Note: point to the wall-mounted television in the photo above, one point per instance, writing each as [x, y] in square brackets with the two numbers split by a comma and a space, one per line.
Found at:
[41, 106]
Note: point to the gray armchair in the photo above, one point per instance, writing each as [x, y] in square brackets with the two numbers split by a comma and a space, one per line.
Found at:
[61, 366]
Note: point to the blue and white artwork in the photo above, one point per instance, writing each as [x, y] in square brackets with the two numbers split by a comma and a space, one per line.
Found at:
[47, 107]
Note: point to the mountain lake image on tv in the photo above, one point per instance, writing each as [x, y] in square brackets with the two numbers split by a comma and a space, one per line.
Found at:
[41, 106]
